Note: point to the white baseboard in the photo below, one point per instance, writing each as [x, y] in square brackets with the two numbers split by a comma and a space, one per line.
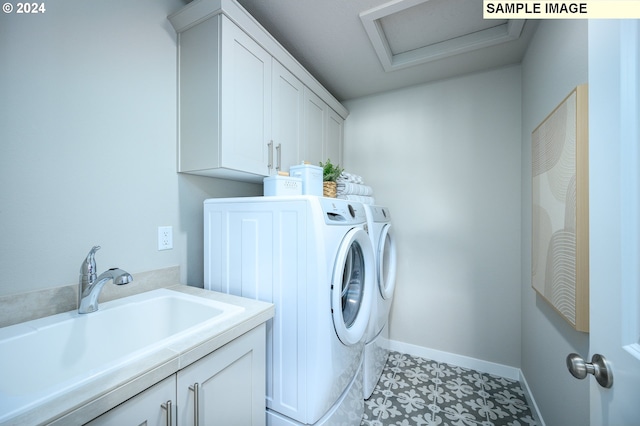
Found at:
[530, 400]
[459, 360]
[488, 367]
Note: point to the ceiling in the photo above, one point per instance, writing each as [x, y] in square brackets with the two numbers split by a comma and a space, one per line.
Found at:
[361, 47]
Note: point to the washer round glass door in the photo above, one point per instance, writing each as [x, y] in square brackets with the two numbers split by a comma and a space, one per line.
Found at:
[386, 262]
[351, 287]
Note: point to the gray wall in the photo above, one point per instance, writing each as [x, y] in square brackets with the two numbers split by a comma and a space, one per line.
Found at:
[445, 158]
[555, 63]
[88, 145]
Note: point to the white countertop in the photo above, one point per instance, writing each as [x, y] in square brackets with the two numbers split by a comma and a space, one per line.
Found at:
[88, 401]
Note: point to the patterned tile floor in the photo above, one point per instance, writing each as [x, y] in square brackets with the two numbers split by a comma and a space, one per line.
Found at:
[417, 391]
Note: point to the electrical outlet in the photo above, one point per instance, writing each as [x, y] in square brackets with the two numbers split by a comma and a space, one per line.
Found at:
[165, 237]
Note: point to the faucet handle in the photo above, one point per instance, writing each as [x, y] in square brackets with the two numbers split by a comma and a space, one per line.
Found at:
[88, 266]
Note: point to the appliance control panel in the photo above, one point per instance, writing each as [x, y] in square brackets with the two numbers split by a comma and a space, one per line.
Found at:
[380, 214]
[342, 212]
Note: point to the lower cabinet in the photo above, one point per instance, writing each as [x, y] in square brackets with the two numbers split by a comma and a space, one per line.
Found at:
[151, 407]
[226, 387]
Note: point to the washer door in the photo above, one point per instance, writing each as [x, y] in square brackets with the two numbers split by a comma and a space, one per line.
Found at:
[352, 286]
[386, 262]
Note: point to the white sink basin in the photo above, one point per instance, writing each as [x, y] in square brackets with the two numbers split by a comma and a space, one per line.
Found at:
[42, 358]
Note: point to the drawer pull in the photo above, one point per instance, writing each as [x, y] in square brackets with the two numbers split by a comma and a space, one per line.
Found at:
[196, 403]
[270, 162]
[169, 408]
[279, 156]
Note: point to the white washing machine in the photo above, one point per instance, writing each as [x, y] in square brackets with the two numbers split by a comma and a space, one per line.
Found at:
[377, 336]
[311, 257]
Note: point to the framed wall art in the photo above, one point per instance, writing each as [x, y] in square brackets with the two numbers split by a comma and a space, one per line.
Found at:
[560, 238]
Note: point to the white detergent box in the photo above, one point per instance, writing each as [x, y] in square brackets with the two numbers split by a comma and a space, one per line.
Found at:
[311, 178]
[282, 185]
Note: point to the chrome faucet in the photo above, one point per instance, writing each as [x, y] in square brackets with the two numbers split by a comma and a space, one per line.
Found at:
[90, 285]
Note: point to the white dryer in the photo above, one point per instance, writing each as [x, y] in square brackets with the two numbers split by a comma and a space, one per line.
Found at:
[377, 337]
[313, 259]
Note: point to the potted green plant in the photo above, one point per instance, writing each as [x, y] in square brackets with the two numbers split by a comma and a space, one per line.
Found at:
[330, 174]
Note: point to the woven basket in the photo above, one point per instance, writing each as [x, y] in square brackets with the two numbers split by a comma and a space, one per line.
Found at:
[329, 189]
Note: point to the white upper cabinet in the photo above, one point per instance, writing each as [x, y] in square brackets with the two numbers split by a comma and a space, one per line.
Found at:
[323, 131]
[246, 107]
[287, 117]
[335, 137]
[315, 128]
[246, 101]
[225, 102]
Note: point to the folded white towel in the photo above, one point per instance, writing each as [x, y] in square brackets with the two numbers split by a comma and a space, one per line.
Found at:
[348, 177]
[345, 188]
[359, 198]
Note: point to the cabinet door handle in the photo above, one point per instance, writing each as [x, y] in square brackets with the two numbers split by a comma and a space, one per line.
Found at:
[270, 162]
[169, 408]
[196, 403]
[279, 156]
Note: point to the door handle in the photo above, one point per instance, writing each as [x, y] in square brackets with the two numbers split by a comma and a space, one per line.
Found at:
[599, 367]
[279, 156]
[169, 408]
[196, 403]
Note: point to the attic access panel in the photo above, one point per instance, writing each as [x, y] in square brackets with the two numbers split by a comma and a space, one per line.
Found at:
[405, 33]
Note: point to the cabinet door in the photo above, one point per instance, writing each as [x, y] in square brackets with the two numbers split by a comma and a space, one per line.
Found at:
[147, 408]
[315, 118]
[335, 136]
[226, 387]
[245, 102]
[287, 118]
[199, 104]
